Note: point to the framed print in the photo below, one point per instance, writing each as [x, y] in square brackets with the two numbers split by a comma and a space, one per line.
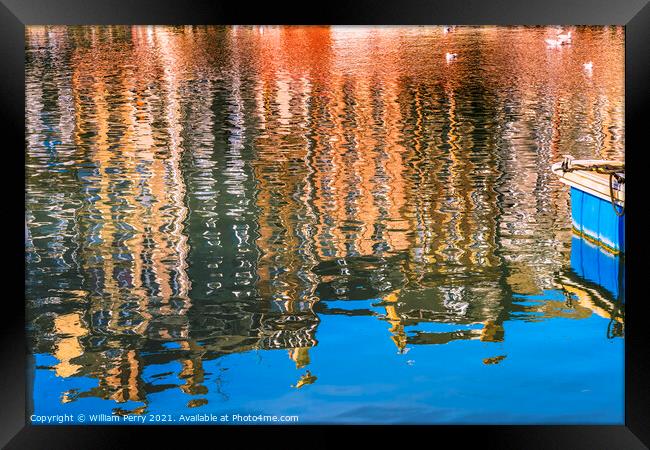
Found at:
[293, 222]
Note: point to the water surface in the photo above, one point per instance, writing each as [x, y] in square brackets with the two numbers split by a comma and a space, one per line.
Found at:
[330, 222]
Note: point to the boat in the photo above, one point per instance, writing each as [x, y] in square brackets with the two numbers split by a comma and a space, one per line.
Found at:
[597, 200]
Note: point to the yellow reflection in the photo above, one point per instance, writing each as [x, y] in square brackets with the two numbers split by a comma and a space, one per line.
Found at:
[69, 328]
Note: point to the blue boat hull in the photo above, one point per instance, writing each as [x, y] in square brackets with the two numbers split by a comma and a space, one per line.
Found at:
[595, 219]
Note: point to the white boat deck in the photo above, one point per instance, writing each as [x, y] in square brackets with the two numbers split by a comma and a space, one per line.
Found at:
[594, 183]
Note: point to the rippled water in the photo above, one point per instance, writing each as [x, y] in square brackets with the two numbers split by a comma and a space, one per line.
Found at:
[328, 222]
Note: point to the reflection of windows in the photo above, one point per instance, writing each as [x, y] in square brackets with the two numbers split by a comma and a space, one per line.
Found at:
[453, 299]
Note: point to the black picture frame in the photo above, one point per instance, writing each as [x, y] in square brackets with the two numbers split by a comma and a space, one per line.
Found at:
[16, 14]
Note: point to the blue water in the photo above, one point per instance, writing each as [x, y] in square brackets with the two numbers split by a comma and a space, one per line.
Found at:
[322, 224]
[357, 383]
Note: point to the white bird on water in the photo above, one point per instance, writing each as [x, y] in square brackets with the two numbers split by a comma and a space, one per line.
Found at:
[588, 66]
[552, 43]
[562, 39]
[450, 57]
[447, 29]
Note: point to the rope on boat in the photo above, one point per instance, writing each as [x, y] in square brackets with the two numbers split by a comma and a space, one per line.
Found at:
[620, 180]
[615, 170]
[569, 164]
